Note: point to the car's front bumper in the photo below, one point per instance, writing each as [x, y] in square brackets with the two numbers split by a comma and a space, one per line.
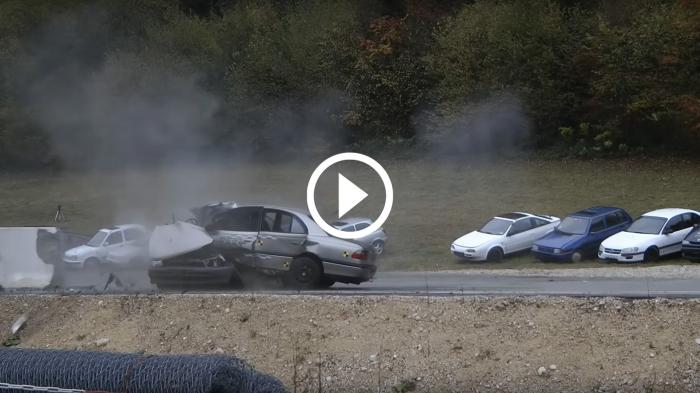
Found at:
[564, 256]
[691, 251]
[471, 253]
[191, 275]
[620, 257]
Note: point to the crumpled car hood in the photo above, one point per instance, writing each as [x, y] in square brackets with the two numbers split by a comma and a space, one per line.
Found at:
[168, 241]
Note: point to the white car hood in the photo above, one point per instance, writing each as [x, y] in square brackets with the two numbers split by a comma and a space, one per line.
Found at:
[80, 251]
[168, 241]
[475, 239]
[622, 240]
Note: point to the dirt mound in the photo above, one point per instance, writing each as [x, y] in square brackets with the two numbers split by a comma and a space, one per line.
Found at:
[393, 344]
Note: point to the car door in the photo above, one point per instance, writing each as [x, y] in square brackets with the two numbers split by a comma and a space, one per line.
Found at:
[114, 248]
[539, 229]
[282, 237]
[597, 232]
[135, 244]
[518, 237]
[235, 233]
[615, 222]
[677, 228]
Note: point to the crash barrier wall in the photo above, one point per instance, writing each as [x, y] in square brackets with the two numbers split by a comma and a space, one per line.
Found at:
[31, 257]
[20, 263]
[131, 373]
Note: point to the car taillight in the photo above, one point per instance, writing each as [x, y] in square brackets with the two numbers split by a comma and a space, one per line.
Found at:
[360, 255]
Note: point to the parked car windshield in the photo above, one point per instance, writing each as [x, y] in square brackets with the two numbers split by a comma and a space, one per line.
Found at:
[573, 226]
[96, 240]
[497, 226]
[647, 224]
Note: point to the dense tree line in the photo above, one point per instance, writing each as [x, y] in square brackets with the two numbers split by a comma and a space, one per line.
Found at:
[606, 77]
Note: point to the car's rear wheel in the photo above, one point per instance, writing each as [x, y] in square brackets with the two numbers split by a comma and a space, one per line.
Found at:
[577, 256]
[91, 264]
[378, 246]
[495, 255]
[304, 273]
[651, 254]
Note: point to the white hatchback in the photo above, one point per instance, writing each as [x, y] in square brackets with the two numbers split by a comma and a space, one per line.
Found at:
[654, 234]
[504, 234]
[120, 245]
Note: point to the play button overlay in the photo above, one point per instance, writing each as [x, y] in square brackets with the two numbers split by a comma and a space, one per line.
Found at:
[349, 195]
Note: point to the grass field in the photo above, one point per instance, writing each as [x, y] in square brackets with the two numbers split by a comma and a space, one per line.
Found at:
[434, 202]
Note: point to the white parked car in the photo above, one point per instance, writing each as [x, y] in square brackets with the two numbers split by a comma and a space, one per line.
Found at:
[121, 245]
[654, 234]
[377, 238]
[502, 235]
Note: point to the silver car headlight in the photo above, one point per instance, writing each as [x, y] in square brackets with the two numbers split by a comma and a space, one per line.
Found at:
[557, 250]
[630, 250]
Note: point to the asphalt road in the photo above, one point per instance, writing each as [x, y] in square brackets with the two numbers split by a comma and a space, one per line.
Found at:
[414, 284]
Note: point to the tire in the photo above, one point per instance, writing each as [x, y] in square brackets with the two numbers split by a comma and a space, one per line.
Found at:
[651, 254]
[495, 255]
[577, 256]
[378, 246]
[304, 273]
[91, 264]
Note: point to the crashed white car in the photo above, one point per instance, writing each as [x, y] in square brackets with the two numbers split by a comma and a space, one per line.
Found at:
[119, 245]
[654, 234]
[502, 235]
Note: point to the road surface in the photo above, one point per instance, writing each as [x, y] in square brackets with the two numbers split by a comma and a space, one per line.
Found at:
[417, 284]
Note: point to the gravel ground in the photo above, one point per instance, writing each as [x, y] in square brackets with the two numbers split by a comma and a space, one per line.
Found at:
[393, 344]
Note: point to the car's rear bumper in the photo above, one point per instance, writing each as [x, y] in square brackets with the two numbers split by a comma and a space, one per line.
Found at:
[191, 275]
[350, 273]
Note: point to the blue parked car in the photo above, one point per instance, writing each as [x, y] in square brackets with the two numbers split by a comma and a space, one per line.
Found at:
[579, 235]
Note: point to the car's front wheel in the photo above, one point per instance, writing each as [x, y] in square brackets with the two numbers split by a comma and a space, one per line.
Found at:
[577, 256]
[91, 264]
[304, 273]
[495, 255]
[651, 254]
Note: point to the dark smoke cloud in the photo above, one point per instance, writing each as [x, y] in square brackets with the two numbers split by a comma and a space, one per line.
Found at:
[496, 126]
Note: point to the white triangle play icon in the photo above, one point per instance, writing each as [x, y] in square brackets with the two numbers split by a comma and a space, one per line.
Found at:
[349, 195]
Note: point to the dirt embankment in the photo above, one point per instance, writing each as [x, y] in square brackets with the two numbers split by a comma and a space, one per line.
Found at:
[393, 344]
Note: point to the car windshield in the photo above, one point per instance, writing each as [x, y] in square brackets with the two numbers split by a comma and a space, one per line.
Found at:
[497, 226]
[647, 224]
[573, 226]
[96, 240]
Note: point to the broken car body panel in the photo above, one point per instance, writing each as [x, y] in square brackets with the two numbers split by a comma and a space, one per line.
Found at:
[168, 241]
[269, 239]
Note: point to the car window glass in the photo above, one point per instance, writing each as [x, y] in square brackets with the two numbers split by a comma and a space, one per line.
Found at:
[520, 226]
[268, 221]
[297, 226]
[597, 225]
[694, 218]
[573, 226]
[687, 220]
[615, 218]
[114, 238]
[349, 228]
[675, 224]
[497, 226]
[647, 224]
[538, 222]
[283, 224]
[243, 219]
[361, 225]
[133, 234]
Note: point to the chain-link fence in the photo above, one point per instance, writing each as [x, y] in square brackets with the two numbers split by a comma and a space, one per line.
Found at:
[24, 370]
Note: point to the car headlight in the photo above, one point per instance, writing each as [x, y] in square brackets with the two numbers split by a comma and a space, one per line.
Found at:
[630, 250]
[557, 250]
[535, 247]
[686, 242]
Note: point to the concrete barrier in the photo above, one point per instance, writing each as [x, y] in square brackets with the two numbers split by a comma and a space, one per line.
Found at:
[20, 263]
